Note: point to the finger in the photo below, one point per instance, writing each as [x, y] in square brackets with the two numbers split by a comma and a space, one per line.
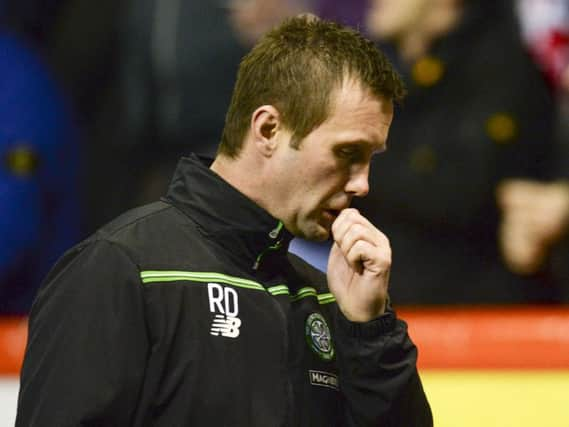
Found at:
[359, 232]
[363, 255]
[348, 218]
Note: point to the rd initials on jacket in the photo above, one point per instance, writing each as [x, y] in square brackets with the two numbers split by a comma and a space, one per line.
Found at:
[224, 304]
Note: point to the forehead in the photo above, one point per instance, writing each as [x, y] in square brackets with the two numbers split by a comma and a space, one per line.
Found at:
[351, 98]
[357, 115]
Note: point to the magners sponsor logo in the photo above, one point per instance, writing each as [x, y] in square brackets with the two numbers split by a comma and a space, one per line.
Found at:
[323, 379]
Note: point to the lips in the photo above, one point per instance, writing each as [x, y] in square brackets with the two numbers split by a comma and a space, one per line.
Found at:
[331, 214]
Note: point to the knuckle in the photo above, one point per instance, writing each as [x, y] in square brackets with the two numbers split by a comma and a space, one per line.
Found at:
[351, 213]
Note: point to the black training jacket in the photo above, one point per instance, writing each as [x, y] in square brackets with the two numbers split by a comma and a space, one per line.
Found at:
[191, 312]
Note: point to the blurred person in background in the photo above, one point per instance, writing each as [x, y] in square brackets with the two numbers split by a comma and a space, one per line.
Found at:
[252, 18]
[535, 214]
[39, 171]
[78, 41]
[478, 112]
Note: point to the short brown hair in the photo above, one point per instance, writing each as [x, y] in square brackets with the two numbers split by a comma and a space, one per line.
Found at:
[295, 67]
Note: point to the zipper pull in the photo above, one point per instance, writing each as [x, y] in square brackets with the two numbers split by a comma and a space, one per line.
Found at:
[275, 231]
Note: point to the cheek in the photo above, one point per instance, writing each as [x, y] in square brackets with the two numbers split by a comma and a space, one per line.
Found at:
[328, 187]
[314, 185]
[336, 177]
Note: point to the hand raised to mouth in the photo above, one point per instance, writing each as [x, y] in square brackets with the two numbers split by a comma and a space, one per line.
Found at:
[358, 267]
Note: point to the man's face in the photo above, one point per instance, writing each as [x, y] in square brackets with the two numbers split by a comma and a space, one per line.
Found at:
[389, 19]
[315, 181]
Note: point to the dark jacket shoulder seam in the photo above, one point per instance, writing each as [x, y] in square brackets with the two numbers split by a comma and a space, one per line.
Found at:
[135, 220]
[121, 247]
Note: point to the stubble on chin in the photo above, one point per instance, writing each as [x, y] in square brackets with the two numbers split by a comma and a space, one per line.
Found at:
[318, 232]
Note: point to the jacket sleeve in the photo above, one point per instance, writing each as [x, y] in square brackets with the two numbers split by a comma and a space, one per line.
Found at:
[87, 343]
[379, 381]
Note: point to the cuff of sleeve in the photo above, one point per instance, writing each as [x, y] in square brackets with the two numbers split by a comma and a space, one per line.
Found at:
[380, 326]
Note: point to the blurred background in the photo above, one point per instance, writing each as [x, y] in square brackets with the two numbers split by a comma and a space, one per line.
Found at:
[98, 100]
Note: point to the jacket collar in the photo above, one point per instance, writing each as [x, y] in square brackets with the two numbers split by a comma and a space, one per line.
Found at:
[224, 214]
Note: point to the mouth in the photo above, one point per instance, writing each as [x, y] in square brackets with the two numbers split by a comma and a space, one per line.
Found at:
[331, 214]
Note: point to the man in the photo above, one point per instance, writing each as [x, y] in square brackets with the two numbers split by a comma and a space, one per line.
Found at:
[190, 311]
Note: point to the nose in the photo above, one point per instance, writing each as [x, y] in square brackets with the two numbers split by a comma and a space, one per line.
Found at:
[358, 184]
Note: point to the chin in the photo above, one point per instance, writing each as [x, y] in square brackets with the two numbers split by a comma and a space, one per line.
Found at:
[317, 233]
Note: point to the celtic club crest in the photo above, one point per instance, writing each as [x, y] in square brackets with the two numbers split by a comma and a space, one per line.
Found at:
[318, 336]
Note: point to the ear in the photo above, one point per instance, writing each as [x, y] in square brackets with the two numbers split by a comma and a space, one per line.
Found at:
[265, 123]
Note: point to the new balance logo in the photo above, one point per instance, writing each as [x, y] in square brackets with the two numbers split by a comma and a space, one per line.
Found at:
[223, 302]
[225, 326]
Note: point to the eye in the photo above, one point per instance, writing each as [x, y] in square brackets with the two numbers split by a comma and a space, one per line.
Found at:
[349, 152]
